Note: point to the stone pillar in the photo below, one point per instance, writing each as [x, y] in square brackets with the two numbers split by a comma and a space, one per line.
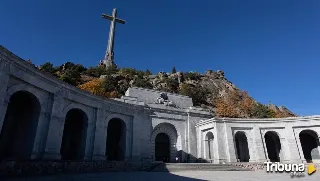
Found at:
[260, 151]
[223, 147]
[129, 139]
[294, 142]
[251, 146]
[138, 139]
[89, 140]
[285, 155]
[55, 133]
[230, 142]
[99, 145]
[4, 80]
[41, 133]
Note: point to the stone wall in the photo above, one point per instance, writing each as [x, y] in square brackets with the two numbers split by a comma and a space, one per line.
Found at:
[286, 130]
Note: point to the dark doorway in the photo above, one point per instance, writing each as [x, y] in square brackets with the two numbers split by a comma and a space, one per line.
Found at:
[20, 126]
[74, 135]
[116, 140]
[209, 145]
[242, 147]
[273, 146]
[162, 147]
[309, 141]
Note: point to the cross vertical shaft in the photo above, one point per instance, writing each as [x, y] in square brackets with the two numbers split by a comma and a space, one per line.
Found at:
[109, 56]
[111, 37]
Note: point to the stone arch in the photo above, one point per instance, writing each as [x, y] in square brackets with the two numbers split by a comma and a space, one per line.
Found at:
[27, 88]
[173, 135]
[20, 125]
[116, 139]
[208, 146]
[74, 135]
[241, 144]
[309, 140]
[79, 107]
[115, 116]
[273, 145]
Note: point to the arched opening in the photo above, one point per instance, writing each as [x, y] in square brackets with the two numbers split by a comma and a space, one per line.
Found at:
[174, 143]
[242, 147]
[74, 135]
[209, 146]
[309, 142]
[273, 146]
[116, 140]
[20, 126]
[162, 147]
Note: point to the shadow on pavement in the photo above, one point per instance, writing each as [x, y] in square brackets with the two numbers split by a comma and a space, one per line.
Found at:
[112, 176]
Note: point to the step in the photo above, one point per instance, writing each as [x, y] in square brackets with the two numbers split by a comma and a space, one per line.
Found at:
[173, 167]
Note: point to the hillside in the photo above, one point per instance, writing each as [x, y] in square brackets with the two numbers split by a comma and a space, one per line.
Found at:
[211, 90]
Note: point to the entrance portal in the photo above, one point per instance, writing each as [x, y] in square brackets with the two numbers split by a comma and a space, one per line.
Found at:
[242, 147]
[20, 126]
[309, 141]
[74, 135]
[162, 147]
[209, 145]
[116, 140]
[273, 146]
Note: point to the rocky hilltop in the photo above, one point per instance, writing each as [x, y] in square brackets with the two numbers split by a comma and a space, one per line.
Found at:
[211, 91]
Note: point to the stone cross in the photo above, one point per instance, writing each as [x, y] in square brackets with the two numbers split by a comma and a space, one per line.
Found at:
[109, 57]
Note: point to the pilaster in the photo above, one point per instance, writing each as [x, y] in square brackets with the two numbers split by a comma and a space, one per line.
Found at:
[100, 137]
[4, 80]
[55, 132]
[260, 153]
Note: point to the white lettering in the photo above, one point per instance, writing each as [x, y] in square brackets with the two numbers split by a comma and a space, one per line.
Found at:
[287, 167]
[301, 167]
[280, 167]
[268, 166]
[294, 167]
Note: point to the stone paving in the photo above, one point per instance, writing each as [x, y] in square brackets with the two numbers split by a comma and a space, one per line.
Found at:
[175, 176]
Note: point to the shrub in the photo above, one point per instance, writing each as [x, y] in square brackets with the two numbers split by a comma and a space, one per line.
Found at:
[262, 111]
[197, 93]
[192, 76]
[96, 71]
[143, 83]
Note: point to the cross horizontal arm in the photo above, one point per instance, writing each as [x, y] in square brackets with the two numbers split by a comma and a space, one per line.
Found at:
[111, 19]
[107, 17]
[121, 21]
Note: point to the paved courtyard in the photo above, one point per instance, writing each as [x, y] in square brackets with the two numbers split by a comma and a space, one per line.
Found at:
[176, 176]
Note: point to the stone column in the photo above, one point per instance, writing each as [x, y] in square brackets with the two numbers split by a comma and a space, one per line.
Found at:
[55, 133]
[41, 133]
[296, 151]
[230, 142]
[259, 146]
[4, 80]
[89, 140]
[99, 145]
[223, 147]
[251, 147]
[138, 139]
[129, 139]
[285, 150]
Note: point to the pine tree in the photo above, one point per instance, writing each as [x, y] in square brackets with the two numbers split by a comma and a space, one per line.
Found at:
[174, 70]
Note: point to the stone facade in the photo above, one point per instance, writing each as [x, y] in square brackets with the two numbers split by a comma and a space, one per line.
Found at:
[142, 118]
[43, 118]
[288, 133]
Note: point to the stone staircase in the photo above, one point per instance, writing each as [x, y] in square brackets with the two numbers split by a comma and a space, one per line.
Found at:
[174, 167]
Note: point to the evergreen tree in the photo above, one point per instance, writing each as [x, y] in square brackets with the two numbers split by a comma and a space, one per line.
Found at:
[174, 70]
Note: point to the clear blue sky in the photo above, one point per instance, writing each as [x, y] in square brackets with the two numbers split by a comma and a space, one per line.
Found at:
[269, 48]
